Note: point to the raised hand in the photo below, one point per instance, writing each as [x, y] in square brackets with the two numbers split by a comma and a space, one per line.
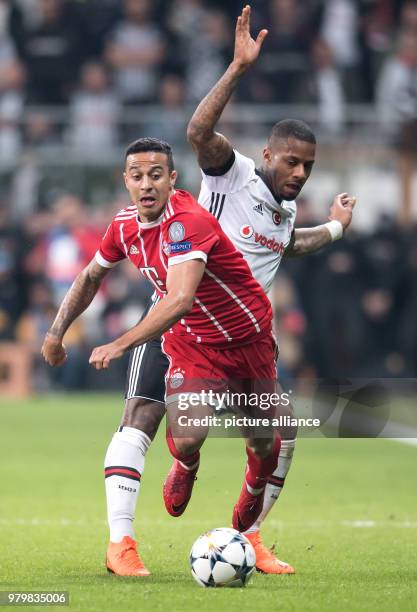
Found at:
[247, 48]
[342, 209]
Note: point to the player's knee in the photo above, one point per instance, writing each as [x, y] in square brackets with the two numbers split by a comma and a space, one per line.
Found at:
[261, 446]
[143, 414]
[187, 446]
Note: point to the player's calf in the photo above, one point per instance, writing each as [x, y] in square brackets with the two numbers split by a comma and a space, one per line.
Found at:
[250, 502]
[144, 415]
[179, 483]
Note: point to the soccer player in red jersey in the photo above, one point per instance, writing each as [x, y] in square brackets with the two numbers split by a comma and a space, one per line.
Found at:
[214, 317]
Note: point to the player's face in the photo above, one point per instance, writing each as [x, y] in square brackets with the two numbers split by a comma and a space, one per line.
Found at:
[149, 182]
[288, 164]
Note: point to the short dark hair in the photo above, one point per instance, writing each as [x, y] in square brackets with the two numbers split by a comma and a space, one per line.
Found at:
[292, 128]
[151, 144]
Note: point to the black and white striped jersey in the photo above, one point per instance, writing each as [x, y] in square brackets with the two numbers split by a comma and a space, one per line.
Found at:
[258, 225]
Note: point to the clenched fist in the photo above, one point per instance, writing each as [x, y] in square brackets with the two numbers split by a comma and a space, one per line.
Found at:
[102, 355]
[53, 350]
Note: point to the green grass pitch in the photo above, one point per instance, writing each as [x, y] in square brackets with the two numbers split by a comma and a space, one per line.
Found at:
[347, 520]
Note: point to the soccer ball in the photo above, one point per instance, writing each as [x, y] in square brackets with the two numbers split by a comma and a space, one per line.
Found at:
[222, 557]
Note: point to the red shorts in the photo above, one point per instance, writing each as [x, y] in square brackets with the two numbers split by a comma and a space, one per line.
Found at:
[196, 367]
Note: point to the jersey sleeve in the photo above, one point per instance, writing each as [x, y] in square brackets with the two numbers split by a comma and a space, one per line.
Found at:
[188, 236]
[109, 253]
[238, 173]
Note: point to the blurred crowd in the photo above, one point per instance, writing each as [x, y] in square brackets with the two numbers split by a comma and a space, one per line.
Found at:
[82, 72]
[93, 60]
[348, 310]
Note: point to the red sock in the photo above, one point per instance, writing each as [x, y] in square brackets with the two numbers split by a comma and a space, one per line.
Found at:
[260, 468]
[189, 460]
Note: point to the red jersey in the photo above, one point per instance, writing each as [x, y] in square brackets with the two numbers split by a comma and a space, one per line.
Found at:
[230, 308]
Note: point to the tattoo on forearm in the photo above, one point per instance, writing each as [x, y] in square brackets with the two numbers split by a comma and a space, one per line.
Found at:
[76, 301]
[211, 107]
[308, 240]
[212, 148]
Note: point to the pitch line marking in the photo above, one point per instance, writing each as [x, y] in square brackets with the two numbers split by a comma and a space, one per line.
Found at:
[356, 524]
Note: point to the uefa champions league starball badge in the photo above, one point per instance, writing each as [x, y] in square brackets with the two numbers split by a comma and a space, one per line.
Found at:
[176, 231]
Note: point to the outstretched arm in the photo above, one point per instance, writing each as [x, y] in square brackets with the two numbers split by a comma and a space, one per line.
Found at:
[182, 283]
[309, 240]
[214, 150]
[78, 298]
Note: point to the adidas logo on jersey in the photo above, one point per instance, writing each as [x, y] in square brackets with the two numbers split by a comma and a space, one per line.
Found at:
[134, 250]
[258, 208]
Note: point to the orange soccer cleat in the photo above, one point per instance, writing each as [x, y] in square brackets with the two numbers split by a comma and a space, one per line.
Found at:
[123, 559]
[266, 561]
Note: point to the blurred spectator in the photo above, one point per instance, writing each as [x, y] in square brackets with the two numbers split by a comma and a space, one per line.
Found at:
[11, 92]
[406, 329]
[408, 16]
[397, 102]
[185, 17]
[323, 86]
[99, 17]
[343, 26]
[31, 330]
[12, 276]
[283, 62]
[52, 52]
[135, 51]
[330, 294]
[40, 132]
[94, 112]
[67, 246]
[170, 124]
[383, 300]
[209, 51]
[291, 326]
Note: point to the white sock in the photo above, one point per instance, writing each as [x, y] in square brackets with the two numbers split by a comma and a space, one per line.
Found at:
[275, 482]
[123, 468]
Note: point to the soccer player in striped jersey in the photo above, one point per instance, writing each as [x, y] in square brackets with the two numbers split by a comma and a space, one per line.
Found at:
[257, 209]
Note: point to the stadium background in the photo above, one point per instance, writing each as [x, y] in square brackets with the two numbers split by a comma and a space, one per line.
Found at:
[347, 518]
[72, 97]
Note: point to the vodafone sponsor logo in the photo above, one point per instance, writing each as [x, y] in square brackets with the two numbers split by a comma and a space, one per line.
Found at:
[247, 231]
[270, 243]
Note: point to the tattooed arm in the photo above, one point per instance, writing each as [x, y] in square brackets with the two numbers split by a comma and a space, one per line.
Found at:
[78, 298]
[308, 240]
[214, 150]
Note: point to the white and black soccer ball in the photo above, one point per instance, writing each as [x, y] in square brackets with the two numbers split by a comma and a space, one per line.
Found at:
[222, 557]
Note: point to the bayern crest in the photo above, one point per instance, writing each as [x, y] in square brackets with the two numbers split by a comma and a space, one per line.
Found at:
[177, 378]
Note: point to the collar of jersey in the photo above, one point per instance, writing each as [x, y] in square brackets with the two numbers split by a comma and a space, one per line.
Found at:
[281, 203]
[151, 223]
[259, 174]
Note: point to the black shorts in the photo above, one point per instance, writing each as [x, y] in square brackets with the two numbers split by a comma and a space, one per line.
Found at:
[147, 368]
